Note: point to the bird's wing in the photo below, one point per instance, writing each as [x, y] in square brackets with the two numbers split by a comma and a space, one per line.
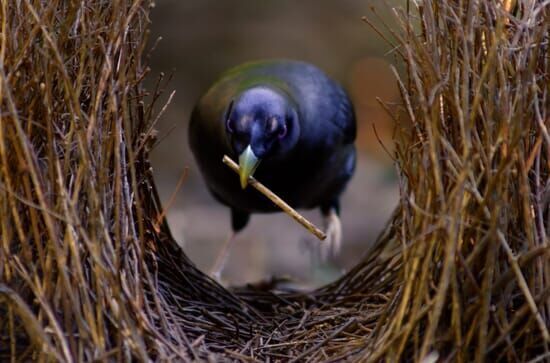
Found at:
[344, 117]
[320, 98]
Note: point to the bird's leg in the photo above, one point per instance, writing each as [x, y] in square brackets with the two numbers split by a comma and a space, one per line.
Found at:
[239, 219]
[333, 229]
[221, 259]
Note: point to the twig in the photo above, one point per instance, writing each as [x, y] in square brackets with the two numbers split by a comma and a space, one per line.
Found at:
[523, 286]
[324, 341]
[277, 201]
[171, 200]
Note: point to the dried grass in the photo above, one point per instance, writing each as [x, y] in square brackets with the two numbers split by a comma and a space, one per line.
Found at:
[89, 270]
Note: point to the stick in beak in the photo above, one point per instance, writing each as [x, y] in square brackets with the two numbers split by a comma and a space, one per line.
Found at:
[277, 201]
[248, 162]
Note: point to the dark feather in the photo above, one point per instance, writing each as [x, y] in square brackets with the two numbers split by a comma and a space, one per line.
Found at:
[314, 173]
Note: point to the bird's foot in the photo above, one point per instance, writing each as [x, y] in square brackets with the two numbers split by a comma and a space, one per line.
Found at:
[217, 275]
[330, 247]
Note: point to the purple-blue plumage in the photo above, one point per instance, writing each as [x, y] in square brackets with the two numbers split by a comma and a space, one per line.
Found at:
[296, 120]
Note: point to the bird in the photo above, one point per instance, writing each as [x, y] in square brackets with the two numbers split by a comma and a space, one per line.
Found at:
[291, 127]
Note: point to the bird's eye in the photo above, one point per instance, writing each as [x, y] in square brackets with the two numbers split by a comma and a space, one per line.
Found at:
[282, 131]
[272, 125]
[229, 125]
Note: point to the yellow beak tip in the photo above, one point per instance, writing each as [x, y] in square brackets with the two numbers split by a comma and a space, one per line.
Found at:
[248, 162]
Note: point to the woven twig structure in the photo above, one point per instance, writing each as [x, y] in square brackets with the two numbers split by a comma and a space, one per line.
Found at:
[90, 272]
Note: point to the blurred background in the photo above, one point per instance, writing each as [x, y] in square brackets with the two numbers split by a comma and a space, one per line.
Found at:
[202, 38]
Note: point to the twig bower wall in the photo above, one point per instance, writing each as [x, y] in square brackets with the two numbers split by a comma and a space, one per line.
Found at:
[90, 272]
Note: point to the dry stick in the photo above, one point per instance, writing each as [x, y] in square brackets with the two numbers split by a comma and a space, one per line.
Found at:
[277, 201]
[317, 346]
[513, 260]
[162, 214]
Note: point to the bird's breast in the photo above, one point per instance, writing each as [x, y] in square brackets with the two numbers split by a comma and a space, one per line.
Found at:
[304, 182]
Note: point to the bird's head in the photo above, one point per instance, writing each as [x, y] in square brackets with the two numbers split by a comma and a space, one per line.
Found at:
[261, 123]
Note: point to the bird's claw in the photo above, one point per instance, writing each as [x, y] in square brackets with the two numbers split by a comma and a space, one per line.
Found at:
[217, 275]
[332, 244]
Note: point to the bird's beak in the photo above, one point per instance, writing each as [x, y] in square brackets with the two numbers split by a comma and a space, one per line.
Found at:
[248, 162]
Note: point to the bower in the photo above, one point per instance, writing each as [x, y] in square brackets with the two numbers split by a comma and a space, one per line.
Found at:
[90, 272]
